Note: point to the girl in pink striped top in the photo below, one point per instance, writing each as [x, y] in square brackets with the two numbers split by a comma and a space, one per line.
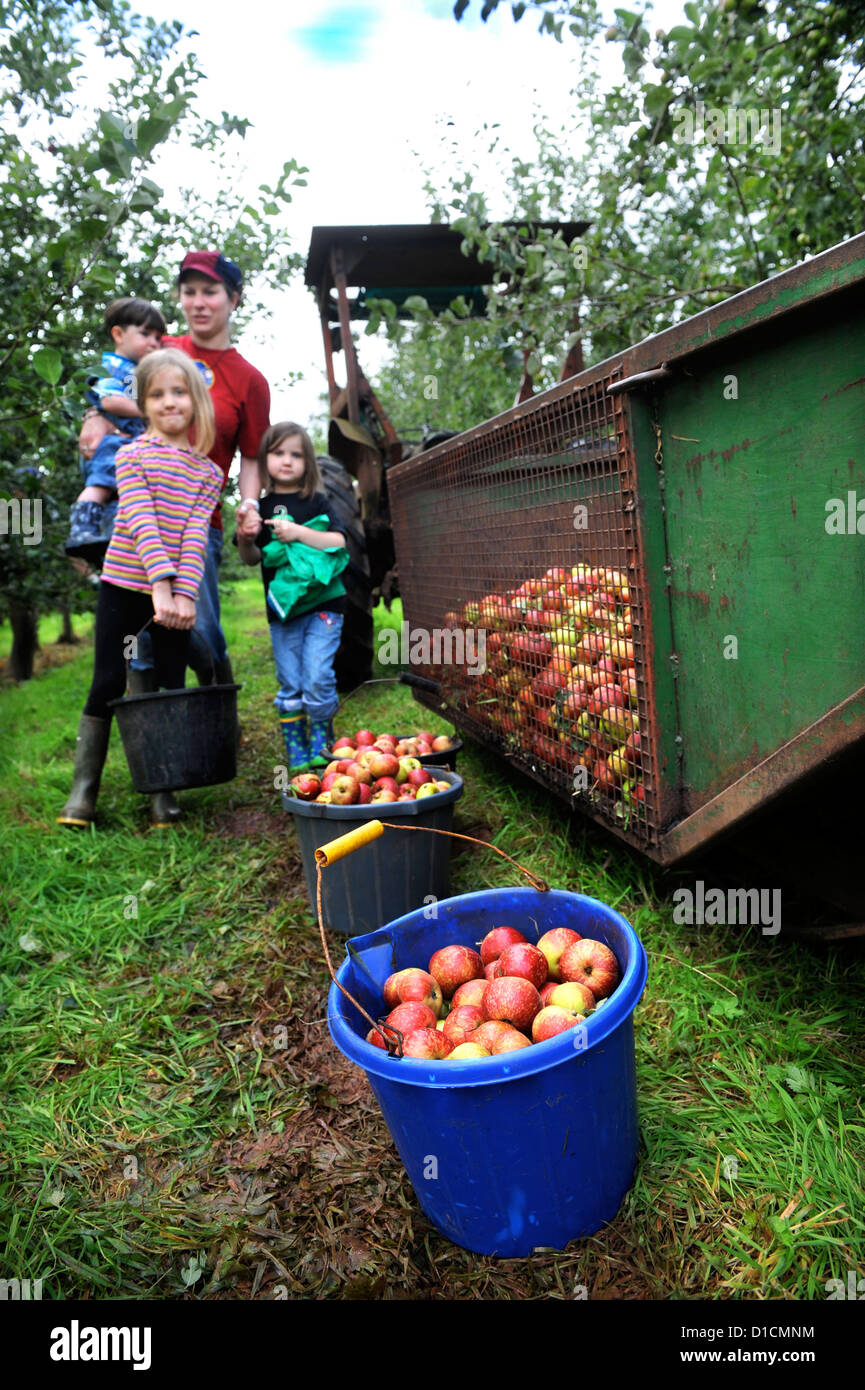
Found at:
[167, 490]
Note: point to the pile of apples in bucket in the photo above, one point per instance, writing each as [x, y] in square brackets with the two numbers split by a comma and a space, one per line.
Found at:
[561, 681]
[506, 996]
[374, 768]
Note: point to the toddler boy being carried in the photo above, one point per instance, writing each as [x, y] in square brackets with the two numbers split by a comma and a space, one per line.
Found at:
[135, 327]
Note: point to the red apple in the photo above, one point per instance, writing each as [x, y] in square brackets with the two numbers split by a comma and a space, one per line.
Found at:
[452, 966]
[554, 943]
[384, 795]
[490, 969]
[418, 776]
[415, 986]
[489, 1033]
[383, 764]
[441, 743]
[385, 744]
[524, 961]
[591, 963]
[463, 1021]
[513, 1000]
[364, 738]
[497, 940]
[390, 988]
[364, 794]
[306, 786]
[472, 992]
[343, 743]
[509, 1041]
[554, 1020]
[546, 990]
[411, 1015]
[359, 773]
[345, 791]
[386, 784]
[427, 1043]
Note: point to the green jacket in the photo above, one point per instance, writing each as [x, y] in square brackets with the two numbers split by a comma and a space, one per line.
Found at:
[305, 577]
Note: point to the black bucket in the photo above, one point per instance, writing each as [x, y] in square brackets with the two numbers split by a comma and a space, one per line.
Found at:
[174, 739]
[396, 874]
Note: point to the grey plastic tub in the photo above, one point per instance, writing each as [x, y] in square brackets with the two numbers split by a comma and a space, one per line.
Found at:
[395, 874]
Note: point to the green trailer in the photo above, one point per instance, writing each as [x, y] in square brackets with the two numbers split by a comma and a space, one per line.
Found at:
[720, 467]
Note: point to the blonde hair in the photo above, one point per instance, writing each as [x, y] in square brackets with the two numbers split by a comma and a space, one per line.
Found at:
[202, 407]
[271, 439]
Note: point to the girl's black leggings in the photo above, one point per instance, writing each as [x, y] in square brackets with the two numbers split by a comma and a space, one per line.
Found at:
[120, 615]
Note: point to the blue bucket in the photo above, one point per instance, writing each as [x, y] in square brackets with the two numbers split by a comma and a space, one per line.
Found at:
[529, 1149]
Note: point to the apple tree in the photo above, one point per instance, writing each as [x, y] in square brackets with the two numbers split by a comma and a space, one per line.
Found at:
[82, 221]
[728, 148]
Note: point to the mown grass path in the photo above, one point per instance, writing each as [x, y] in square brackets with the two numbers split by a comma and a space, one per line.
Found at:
[176, 1123]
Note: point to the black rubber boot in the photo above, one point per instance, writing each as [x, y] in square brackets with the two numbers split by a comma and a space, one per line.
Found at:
[165, 811]
[140, 682]
[90, 753]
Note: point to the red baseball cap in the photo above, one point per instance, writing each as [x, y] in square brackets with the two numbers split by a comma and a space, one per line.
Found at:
[215, 266]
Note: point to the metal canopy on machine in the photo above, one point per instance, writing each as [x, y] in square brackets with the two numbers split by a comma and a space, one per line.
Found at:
[392, 262]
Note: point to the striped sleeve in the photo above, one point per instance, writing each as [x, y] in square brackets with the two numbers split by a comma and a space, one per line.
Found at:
[193, 542]
[135, 506]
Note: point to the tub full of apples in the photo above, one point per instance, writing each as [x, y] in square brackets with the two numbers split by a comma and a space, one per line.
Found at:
[401, 870]
[504, 1060]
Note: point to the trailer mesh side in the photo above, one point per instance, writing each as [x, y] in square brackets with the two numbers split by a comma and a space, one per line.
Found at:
[479, 523]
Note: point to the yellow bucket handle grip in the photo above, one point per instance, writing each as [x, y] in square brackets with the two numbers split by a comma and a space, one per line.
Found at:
[347, 844]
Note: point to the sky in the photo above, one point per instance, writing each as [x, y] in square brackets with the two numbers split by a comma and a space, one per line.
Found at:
[369, 96]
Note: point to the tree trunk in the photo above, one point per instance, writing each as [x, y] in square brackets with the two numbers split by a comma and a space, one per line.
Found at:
[67, 635]
[24, 621]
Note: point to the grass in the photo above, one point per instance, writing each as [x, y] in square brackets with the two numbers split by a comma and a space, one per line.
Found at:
[176, 1123]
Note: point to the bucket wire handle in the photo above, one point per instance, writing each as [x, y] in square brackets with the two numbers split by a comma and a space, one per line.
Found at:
[404, 678]
[363, 835]
[210, 651]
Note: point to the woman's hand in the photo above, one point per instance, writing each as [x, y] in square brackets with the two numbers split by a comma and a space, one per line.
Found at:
[165, 610]
[186, 611]
[284, 529]
[93, 431]
[248, 518]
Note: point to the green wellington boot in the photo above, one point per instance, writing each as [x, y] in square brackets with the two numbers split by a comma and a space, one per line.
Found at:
[90, 753]
[296, 743]
[320, 739]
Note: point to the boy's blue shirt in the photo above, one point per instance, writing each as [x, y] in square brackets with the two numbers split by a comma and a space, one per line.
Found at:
[119, 380]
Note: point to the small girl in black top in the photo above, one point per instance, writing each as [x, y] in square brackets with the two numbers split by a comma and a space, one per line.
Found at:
[305, 596]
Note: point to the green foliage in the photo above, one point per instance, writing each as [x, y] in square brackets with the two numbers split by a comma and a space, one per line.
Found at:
[447, 374]
[82, 221]
[686, 207]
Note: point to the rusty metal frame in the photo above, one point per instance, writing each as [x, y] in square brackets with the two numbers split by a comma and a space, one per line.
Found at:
[839, 729]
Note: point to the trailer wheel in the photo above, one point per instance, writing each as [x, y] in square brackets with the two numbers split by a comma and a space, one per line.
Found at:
[353, 662]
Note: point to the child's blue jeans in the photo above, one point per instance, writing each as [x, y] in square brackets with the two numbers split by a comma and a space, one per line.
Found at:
[304, 649]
